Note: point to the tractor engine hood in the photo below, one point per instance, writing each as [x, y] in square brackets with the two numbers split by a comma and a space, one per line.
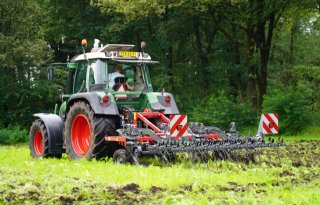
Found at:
[162, 102]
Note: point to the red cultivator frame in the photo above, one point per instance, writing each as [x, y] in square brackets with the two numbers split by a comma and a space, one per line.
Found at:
[153, 133]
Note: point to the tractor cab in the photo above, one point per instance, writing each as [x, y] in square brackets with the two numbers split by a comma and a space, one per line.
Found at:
[115, 73]
[112, 75]
[113, 70]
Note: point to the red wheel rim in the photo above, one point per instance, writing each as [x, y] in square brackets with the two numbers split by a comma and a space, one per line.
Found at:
[80, 134]
[37, 142]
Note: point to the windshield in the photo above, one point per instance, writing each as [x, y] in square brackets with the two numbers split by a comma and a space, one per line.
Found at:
[130, 72]
[113, 74]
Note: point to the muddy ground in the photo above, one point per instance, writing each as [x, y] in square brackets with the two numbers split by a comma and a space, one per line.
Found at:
[303, 171]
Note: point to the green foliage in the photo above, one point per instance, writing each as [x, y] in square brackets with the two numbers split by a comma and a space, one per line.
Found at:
[69, 21]
[306, 79]
[13, 135]
[23, 54]
[202, 47]
[291, 106]
[220, 110]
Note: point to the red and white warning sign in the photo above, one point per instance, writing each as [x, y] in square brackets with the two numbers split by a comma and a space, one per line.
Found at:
[121, 88]
[178, 125]
[268, 124]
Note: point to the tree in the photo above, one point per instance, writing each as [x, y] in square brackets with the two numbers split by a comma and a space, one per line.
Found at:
[256, 20]
[23, 52]
[67, 22]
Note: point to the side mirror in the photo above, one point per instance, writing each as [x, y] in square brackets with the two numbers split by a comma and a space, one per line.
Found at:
[50, 73]
[60, 92]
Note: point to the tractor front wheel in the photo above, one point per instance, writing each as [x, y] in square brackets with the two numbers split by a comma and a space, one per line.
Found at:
[85, 132]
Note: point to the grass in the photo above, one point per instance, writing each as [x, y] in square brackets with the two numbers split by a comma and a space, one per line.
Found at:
[293, 180]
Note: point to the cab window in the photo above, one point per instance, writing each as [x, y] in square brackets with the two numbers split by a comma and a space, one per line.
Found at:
[80, 77]
[98, 72]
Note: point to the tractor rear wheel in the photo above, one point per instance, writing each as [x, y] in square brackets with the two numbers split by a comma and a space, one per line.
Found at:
[85, 132]
[38, 139]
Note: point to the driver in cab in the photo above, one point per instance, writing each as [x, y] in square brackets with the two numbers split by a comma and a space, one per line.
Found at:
[118, 73]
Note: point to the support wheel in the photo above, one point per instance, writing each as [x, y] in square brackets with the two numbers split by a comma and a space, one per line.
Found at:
[38, 140]
[121, 156]
[85, 132]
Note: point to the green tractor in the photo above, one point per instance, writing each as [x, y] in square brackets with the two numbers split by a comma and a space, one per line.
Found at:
[97, 103]
[111, 110]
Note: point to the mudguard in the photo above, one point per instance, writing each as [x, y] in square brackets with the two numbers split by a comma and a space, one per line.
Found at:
[54, 126]
[157, 103]
[94, 101]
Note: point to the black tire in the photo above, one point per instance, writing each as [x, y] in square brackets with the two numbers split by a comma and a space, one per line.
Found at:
[38, 149]
[100, 126]
[121, 156]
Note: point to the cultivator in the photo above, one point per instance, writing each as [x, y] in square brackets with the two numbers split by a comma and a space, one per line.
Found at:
[166, 139]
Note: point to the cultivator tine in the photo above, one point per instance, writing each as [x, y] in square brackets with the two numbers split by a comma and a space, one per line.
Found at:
[165, 159]
[268, 156]
[201, 156]
[259, 154]
[135, 160]
[195, 157]
[201, 150]
[234, 155]
[227, 154]
[157, 158]
[249, 156]
[214, 155]
[205, 156]
[278, 154]
[221, 155]
[189, 153]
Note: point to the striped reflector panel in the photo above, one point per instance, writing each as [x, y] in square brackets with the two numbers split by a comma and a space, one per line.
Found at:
[121, 88]
[178, 125]
[268, 124]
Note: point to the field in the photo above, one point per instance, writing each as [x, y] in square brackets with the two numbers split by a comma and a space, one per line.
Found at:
[295, 179]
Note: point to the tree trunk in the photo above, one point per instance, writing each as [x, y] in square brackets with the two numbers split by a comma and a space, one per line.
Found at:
[169, 51]
[250, 58]
[293, 33]
[138, 40]
[265, 45]
[202, 58]
[237, 62]
[170, 67]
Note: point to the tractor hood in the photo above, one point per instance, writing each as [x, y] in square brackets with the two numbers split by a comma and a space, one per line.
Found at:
[155, 101]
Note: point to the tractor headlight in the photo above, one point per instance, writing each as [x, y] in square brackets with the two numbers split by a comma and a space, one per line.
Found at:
[104, 100]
